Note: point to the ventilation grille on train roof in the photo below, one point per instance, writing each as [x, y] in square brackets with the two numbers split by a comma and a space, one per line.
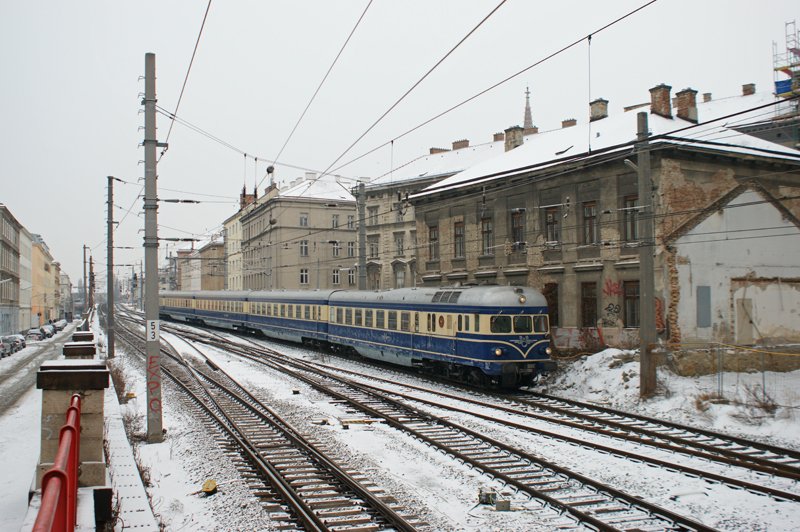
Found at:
[446, 297]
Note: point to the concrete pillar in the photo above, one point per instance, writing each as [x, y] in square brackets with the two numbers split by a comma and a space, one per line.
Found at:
[79, 350]
[59, 380]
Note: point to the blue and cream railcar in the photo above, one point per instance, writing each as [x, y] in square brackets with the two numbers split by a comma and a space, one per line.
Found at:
[298, 316]
[477, 333]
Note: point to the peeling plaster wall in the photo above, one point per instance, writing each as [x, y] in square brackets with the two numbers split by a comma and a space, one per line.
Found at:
[724, 250]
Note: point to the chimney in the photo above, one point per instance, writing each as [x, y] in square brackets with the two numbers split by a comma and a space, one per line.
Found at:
[245, 199]
[706, 97]
[659, 101]
[530, 131]
[311, 176]
[458, 144]
[599, 109]
[498, 137]
[434, 151]
[513, 137]
[569, 122]
[748, 89]
[687, 105]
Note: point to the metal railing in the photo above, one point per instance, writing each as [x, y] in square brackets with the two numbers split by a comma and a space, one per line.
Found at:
[60, 483]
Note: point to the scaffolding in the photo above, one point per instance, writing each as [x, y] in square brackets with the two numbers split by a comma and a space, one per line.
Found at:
[786, 63]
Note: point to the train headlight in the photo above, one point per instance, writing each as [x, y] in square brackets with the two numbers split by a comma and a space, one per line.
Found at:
[522, 300]
[498, 351]
[548, 351]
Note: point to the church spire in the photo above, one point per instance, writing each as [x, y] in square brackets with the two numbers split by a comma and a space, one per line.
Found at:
[528, 122]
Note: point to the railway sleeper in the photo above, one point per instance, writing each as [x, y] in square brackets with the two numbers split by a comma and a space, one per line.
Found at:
[321, 494]
[363, 528]
[339, 502]
[303, 482]
[340, 512]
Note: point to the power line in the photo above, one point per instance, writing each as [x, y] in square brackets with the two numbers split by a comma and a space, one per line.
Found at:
[186, 78]
[414, 86]
[494, 86]
[325, 77]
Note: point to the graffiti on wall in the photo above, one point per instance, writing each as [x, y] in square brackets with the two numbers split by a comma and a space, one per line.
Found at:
[612, 287]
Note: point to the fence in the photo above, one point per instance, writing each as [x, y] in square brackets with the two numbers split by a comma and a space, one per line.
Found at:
[756, 376]
[60, 483]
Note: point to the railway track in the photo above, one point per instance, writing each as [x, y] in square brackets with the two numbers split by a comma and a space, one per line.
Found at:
[299, 485]
[562, 493]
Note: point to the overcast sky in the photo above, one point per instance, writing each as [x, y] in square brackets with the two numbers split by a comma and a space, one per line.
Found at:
[70, 102]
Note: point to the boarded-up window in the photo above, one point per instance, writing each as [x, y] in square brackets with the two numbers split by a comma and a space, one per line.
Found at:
[703, 306]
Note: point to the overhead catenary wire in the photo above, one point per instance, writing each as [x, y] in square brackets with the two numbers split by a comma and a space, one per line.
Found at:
[414, 86]
[186, 79]
[493, 86]
[319, 86]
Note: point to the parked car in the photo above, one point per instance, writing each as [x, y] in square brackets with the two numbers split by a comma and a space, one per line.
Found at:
[48, 330]
[5, 348]
[60, 324]
[35, 335]
[13, 343]
[21, 339]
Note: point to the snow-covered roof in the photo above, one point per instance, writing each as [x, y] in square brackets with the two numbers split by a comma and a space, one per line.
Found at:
[325, 187]
[444, 163]
[613, 134]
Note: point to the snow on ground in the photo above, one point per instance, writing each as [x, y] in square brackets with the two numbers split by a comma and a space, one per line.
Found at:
[438, 489]
[611, 378]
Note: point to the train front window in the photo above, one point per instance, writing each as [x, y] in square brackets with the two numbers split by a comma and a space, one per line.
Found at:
[500, 324]
[540, 323]
[523, 324]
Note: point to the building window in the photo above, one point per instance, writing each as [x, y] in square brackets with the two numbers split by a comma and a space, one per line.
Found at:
[335, 276]
[551, 219]
[335, 221]
[433, 242]
[588, 304]
[400, 277]
[351, 249]
[630, 215]
[351, 221]
[398, 244]
[304, 248]
[518, 229]
[335, 245]
[630, 303]
[303, 219]
[487, 236]
[590, 229]
[372, 216]
[398, 209]
[372, 243]
[351, 277]
[550, 293]
[303, 275]
[459, 242]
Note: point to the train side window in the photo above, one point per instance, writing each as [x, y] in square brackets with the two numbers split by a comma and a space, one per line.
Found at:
[307, 312]
[523, 324]
[466, 323]
[477, 323]
[379, 322]
[460, 322]
[283, 311]
[416, 322]
[433, 322]
[500, 324]
[289, 313]
[368, 318]
[339, 312]
[348, 316]
[298, 311]
[405, 321]
[540, 324]
[449, 322]
[391, 322]
[428, 322]
[358, 313]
